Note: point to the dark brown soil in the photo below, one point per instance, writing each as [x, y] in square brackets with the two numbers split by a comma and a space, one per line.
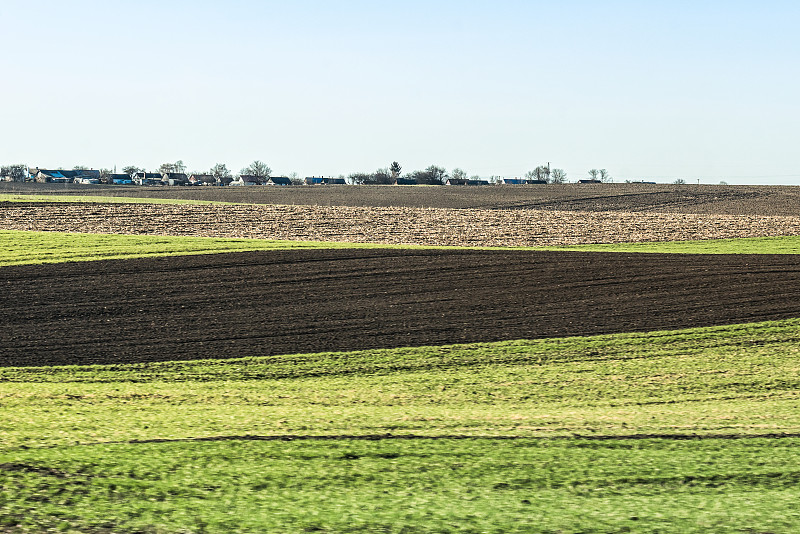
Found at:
[265, 303]
[659, 198]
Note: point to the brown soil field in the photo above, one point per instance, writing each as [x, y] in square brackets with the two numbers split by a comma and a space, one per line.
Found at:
[267, 303]
[390, 225]
[661, 198]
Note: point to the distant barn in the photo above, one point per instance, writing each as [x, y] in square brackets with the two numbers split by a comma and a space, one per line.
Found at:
[313, 180]
[175, 178]
[120, 179]
[460, 181]
[63, 176]
[148, 178]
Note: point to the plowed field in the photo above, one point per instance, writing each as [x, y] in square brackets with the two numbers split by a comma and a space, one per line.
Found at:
[252, 304]
[389, 225]
[660, 198]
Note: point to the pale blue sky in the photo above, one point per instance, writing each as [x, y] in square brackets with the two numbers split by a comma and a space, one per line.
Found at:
[648, 90]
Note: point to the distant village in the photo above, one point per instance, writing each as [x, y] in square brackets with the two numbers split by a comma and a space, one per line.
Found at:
[259, 174]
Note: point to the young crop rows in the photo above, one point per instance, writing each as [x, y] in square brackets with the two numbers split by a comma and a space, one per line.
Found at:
[307, 301]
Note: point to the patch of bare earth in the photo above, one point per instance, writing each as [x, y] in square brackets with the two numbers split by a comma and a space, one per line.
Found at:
[391, 225]
[305, 301]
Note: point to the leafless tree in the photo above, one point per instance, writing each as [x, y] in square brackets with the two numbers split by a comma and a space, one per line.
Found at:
[593, 174]
[458, 174]
[220, 172]
[130, 170]
[177, 167]
[604, 176]
[542, 173]
[259, 169]
[382, 176]
[558, 176]
[16, 173]
[433, 175]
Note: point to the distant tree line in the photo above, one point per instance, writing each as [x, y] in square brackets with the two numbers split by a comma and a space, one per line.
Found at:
[432, 175]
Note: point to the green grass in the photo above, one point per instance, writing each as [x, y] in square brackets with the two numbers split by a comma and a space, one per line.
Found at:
[560, 435]
[750, 245]
[556, 435]
[26, 247]
[418, 486]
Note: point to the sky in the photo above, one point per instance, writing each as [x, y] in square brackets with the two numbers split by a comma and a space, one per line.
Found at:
[705, 91]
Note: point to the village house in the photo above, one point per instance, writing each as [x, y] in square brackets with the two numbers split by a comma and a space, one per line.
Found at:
[147, 178]
[461, 181]
[279, 180]
[119, 179]
[247, 179]
[62, 176]
[175, 178]
[202, 179]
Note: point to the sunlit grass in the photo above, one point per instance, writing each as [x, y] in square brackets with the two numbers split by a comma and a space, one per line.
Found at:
[748, 245]
[26, 247]
[586, 434]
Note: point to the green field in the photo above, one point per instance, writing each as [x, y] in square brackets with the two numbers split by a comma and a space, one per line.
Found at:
[686, 431]
[694, 430]
[25, 247]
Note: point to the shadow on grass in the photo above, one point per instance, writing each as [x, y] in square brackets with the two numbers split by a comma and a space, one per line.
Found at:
[383, 437]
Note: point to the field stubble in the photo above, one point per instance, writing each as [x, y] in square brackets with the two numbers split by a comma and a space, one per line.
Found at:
[391, 225]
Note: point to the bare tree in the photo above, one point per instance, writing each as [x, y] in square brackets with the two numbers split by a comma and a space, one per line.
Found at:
[458, 174]
[558, 176]
[258, 169]
[177, 167]
[382, 176]
[16, 173]
[221, 173]
[679, 181]
[130, 170]
[604, 176]
[166, 168]
[360, 178]
[593, 174]
[433, 175]
[540, 173]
